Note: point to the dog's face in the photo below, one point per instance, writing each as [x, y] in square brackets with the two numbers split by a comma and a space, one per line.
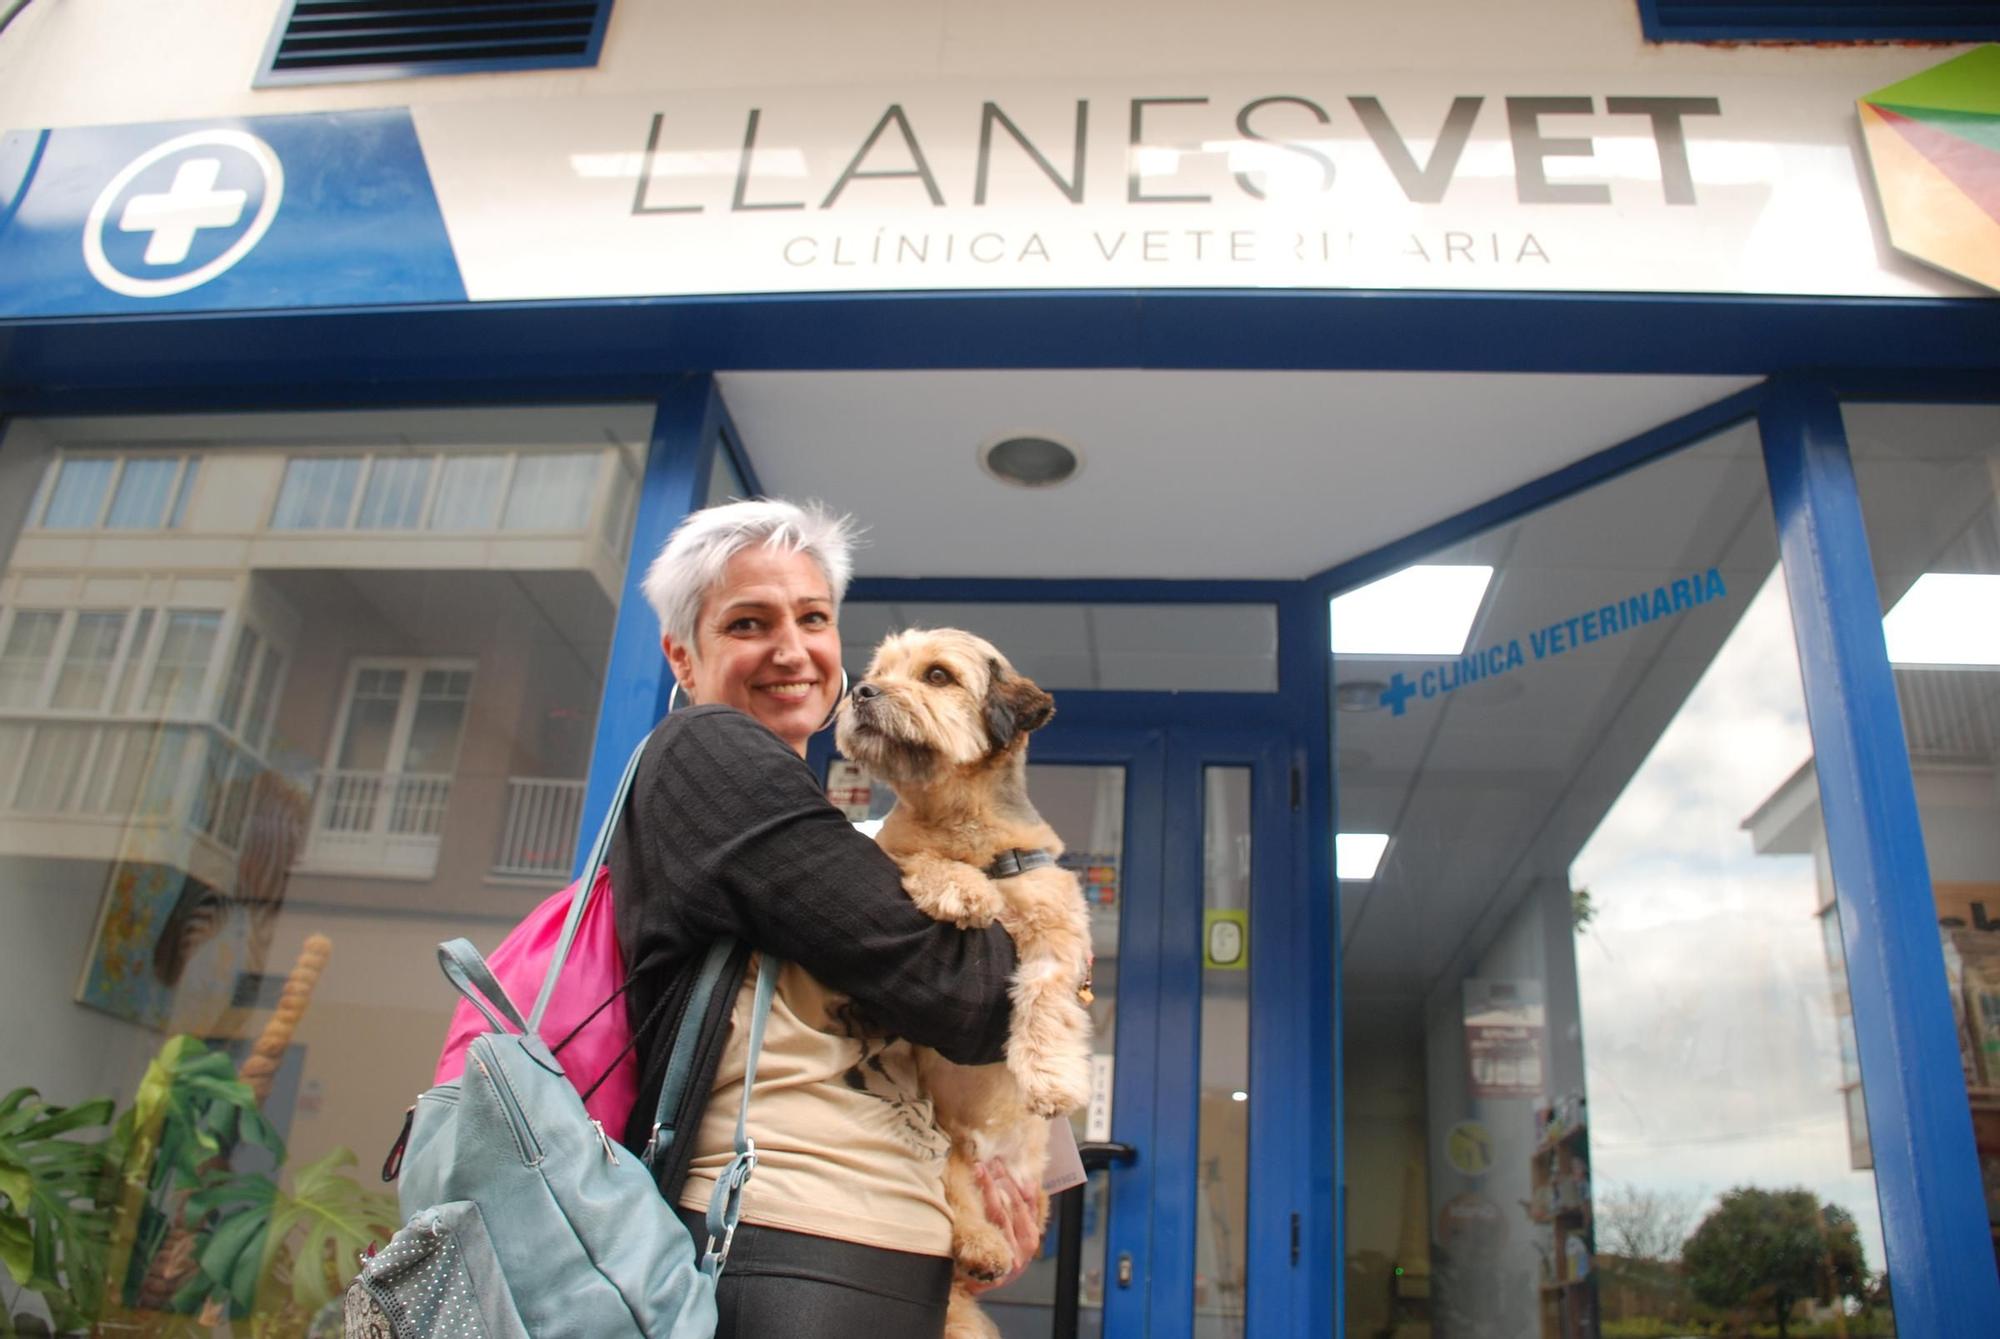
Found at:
[935, 701]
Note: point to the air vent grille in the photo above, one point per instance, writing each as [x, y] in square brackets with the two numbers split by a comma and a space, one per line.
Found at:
[386, 39]
[1820, 20]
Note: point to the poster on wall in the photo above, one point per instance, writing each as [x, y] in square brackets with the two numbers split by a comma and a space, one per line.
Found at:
[1503, 1037]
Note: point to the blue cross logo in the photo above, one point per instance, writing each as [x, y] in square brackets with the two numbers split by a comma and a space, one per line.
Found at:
[196, 204]
[1398, 694]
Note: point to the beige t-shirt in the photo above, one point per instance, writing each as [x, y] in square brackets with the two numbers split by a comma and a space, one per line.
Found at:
[846, 1146]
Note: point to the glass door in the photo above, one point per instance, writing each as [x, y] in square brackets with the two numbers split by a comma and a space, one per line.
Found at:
[1232, 1078]
[1180, 839]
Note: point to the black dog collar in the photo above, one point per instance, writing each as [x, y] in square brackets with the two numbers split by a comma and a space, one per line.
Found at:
[1010, 863]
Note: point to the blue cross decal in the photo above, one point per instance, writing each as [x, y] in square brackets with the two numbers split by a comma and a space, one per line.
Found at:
[1398, 694]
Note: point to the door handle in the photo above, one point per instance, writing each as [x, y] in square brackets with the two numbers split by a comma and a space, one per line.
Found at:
[1096, 1156]
[1099, 1156]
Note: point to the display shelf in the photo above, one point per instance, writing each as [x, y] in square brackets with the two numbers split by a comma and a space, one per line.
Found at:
[1984, 1099]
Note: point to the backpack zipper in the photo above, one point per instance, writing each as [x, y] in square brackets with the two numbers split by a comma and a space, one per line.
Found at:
[524, 1135]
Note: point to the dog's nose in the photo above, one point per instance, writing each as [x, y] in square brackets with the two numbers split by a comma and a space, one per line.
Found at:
[864, 691]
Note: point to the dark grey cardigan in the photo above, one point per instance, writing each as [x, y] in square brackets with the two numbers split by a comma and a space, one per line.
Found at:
[727, 833]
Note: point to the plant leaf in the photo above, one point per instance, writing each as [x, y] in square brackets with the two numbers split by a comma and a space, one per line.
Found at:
[14, 1182]
[17, 1249]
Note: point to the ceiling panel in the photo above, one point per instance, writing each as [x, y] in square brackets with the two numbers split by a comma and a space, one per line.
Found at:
[1185, 474]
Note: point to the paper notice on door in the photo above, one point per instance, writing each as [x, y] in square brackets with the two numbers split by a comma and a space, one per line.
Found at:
[1097, 1119]
[1065, 1166]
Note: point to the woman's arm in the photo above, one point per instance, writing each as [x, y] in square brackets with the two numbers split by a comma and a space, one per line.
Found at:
[729, 833]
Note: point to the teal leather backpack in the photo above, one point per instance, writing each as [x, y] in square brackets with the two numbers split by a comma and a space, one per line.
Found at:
[522, 1217]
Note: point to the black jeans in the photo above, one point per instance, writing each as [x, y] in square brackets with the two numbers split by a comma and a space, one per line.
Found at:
[788, 1285]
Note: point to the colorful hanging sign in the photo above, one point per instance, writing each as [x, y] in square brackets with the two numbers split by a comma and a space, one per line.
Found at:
[1934, 144]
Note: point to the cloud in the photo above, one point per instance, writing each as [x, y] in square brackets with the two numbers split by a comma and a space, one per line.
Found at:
[1711, 1044]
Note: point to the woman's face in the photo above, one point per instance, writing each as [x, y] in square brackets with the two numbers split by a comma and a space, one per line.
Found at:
[765, 643]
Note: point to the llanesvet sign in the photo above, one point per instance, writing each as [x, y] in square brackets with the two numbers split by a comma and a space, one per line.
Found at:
[1260, 135]
[1544, 183]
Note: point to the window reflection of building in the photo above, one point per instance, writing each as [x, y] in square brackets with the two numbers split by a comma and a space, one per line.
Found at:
[253, 698]
[1567, 833]
[1929, 479]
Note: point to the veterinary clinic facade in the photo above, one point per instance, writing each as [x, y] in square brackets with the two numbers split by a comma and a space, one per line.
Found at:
[1516, 520]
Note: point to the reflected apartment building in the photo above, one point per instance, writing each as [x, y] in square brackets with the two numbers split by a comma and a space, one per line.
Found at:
[274, 681]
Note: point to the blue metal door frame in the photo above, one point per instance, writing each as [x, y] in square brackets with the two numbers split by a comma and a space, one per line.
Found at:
[1820, 349]
[1280, 1278]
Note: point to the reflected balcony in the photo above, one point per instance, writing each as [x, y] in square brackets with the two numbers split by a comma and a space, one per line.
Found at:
[538, 837]
[85, 788]
[378, 824]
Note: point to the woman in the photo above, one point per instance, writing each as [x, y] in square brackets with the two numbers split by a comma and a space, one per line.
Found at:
[728, 833]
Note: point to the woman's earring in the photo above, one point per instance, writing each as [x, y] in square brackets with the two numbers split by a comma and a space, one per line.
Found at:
[831, 715]
[674, 697]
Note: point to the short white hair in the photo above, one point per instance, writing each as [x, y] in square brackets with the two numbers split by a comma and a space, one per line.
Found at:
[695, 554]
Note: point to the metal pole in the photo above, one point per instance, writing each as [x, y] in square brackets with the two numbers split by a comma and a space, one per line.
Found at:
[1069, 1261]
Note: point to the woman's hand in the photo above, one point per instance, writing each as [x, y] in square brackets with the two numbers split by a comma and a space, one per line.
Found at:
[1015, 1208]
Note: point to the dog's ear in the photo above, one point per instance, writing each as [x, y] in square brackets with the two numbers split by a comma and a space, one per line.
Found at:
[1014, 706]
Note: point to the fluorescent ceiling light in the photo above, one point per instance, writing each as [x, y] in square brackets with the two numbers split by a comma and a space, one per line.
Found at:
[1420, 611]
[1357, 855]
[1946, 618]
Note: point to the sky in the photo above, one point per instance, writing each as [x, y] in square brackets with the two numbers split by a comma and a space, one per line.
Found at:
[1711, 1047]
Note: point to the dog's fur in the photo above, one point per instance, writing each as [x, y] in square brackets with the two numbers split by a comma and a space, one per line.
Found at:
[944, 720]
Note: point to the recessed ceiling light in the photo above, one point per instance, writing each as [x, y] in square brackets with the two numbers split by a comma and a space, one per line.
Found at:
[1030, 461]
[1425, 610]
[1239, 1096]
[1357, 855]
[1946, 618]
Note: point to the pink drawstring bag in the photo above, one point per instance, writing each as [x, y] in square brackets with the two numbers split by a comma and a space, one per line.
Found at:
[601, 1052]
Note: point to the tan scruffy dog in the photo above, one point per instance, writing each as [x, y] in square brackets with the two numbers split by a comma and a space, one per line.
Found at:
[944, 720]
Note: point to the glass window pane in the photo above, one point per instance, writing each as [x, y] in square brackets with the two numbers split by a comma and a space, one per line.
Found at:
[1218, 648]
[24, 659]
[86, 667]
[1223, 1183]
[1929, 477]
[257, 725]
[186, 645]
[1086, 807]
[237, 681]
[394, 498]
[551, 492]
[317, 494]
[182, 492]
[137, 647]
[468, 495]
[15, 736]
[1591, 1017]
[725, 481]
[50, 784]
[441, 704]
[171, 866]
[144, 488]
[78, 497]
[371, 720]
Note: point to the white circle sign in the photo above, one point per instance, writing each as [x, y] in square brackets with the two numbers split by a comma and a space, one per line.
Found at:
[117, 280]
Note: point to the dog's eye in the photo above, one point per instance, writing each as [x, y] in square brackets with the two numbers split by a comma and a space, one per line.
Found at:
[940, 676]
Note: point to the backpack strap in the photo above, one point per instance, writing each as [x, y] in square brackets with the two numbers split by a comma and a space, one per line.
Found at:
[599, 849]
[467, 970]
[725, 1206]
[709, 984]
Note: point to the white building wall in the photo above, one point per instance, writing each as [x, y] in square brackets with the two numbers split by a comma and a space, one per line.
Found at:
[83, 62]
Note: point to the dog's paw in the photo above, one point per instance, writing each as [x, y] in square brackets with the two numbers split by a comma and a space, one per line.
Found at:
[949, 890]
[983, 1252]
[964, 1320]
[1056, 1087]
